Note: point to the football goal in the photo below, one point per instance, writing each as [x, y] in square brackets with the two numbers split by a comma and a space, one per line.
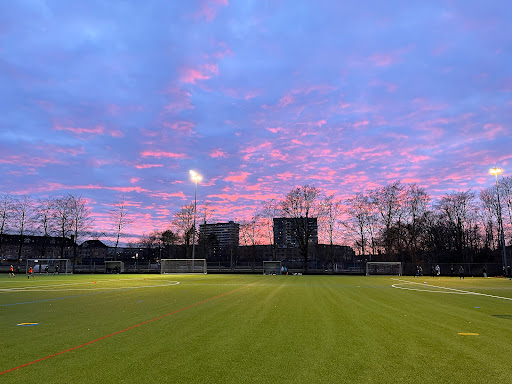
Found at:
[183, 266]
[384, 268]
[54, 266]
[114, 267]
[271, 267]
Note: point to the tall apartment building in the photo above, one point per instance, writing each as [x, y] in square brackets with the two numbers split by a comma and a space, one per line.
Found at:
[285, 232]
[226, 235]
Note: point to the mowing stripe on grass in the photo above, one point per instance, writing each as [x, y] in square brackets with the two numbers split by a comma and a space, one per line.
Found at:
[126, 329]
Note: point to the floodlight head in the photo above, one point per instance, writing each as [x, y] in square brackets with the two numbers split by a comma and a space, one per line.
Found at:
[495, 171]
[195, 176]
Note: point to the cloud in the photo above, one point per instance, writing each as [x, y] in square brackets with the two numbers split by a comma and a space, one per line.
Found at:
[204, 72]
[163, 154]
[237, 177]
[209, 9]
[217, 153]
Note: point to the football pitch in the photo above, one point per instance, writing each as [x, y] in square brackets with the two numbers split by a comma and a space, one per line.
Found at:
[255, 329]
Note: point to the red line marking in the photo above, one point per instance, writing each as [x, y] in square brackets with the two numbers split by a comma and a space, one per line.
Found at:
[124, 330]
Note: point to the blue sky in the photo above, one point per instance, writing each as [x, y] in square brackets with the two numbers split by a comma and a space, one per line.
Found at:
[122, 98]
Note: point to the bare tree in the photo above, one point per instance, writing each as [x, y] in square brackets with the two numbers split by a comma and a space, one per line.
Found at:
[416, 201]
[21, 219]
[505, 186]
[269, 210]
[183, 220]
[81, 221]
[331, 208]
[458, 209]
[63, 218]
[301, 204]
[120, 220]
[6, 210]
[489, 215]
[43, 220]
[389, 203]
[362, 216]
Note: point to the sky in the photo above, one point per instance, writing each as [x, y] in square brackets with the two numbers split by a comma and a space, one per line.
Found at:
[120, 99]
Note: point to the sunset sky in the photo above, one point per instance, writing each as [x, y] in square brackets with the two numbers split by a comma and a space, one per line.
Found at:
[103, 99]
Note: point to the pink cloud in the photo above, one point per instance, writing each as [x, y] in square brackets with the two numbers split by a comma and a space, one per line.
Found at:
[185, 127]
[361, 124]
[285, 100]
[98, 130]
[209, 9]
[205, 72]
[160, 154]
[146, 166]
[217, 153]
[237, 178]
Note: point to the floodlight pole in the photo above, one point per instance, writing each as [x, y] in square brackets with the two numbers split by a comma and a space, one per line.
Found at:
[496, 172]
[194, 226]
[196, 178]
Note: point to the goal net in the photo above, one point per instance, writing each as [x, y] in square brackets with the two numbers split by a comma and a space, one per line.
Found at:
[54, 266]
[183, 266]
[384, 268]
[271, 267]
[114, 267]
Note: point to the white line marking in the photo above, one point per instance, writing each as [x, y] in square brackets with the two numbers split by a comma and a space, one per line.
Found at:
[448, 290]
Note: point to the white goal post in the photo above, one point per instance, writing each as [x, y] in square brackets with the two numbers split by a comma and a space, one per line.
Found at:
[271, 267]
[183, 266]
[384, 268]
[53, 266]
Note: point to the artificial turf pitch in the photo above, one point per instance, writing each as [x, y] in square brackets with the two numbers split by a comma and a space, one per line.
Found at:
[254, 329]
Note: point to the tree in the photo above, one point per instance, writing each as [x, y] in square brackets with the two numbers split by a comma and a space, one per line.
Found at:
[168, 239]
[388, 201]
[43, 220]
[331, 208]
[120, 220]
[6, 210]
[81, 221]
[415, 204]
[62, 215]
[249, 234]
[459, 211]
[269, 210]
[184, 221]
[301, 204]
[22, 218]
[362, 217]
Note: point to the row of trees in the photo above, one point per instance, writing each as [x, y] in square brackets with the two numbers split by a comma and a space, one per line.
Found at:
[395, 222]
[62, 217]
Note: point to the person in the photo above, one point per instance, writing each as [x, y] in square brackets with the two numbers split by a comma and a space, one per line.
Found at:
[30, 272]
[461, 272]
[57, 269]
[438, 270]
[46, 269]
[417, 271]
[432, 271]
[451, 271]
[11, 271]
[421, 270]
[485, 272]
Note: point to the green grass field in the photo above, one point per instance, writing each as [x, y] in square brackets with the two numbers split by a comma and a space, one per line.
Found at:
[255, 329]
